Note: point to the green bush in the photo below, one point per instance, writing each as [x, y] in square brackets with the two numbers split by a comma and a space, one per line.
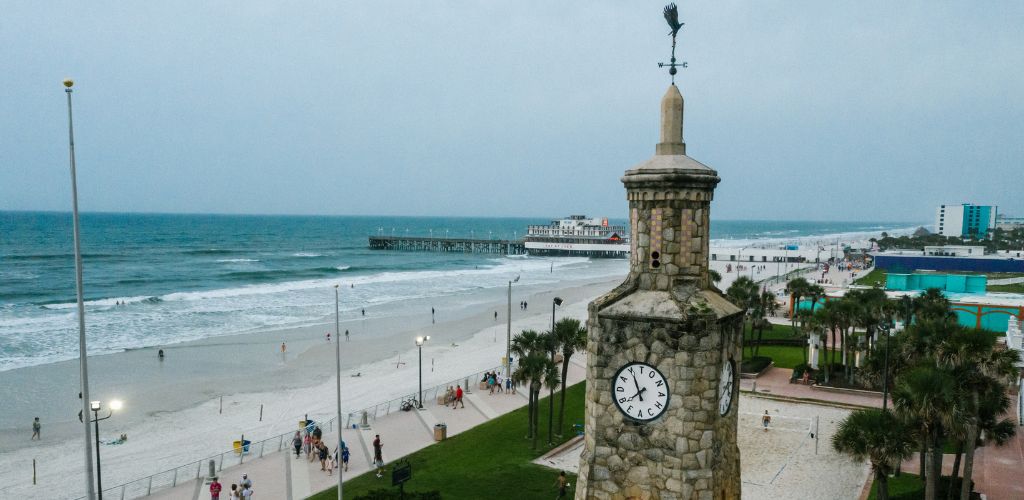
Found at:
[910, 487]
[393, 494]
[755, 364]
[798, 370]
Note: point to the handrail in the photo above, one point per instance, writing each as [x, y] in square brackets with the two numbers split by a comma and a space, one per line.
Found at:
[194, 469]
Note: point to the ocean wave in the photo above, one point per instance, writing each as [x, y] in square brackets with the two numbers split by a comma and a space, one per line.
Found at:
[58, 256]
[208, 251]
[843, 237]
[238, 260]
[272, 274]
[343, 268]
[306, 254]
[108, 302]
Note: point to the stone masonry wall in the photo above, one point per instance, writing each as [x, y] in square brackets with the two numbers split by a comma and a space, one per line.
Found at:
[690, 452]
[677, 230]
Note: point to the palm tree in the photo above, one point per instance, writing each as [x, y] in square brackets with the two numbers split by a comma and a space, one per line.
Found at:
[744, 293]
[715, 276]
[572, 337]
[551, 346]
[767, 305]
[929, 397]
[796, 288]
[531, 373]
[524, 346]
[550, 379]
[878, 436]
[982, 373]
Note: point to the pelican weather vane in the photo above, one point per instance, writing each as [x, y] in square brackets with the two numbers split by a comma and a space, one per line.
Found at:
[672, 17]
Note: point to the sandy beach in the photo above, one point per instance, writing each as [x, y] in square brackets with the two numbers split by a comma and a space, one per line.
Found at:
[173, 411]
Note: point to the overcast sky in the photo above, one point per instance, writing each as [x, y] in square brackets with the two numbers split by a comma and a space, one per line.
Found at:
[810, 110]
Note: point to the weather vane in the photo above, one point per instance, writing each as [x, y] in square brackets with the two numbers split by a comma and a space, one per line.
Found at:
[672, 17]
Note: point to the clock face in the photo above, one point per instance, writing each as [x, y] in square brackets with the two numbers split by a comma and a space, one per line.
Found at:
[640, 391]
[725, 384]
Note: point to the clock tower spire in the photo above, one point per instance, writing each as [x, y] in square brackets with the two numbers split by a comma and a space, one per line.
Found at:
[663, 347]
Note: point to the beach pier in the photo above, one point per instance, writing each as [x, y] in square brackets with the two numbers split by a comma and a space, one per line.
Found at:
[451, 245]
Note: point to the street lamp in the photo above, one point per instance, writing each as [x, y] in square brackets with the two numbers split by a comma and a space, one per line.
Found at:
[508, 333]
[95, 407]
[557, 301]
[337, 364]
[419, 344]
[82, 355]
[885, 327]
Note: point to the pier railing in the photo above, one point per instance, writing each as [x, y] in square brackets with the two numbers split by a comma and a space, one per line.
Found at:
[198, 469]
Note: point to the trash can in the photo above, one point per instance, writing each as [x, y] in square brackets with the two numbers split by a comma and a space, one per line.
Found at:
[440, 432]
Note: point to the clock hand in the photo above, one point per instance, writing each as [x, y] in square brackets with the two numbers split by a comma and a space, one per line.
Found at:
[639, 390]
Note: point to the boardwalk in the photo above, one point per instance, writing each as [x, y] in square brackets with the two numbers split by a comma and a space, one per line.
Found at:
[280, 475]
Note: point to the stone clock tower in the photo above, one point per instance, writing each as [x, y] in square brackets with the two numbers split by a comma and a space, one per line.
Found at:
[664, 347]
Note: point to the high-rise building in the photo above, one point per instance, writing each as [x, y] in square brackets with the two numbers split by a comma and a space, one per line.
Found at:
[965, 220]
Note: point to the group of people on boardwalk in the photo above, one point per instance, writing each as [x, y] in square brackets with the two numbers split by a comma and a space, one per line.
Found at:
[494, 381]
[312, 443]
[242, 490]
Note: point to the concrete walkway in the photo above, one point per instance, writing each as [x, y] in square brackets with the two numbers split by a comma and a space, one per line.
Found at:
[280, 475]
[775, 384]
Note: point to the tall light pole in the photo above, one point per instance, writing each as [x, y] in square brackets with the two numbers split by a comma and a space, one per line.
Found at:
[337, 364]
[419, 344]
[95, 407]
[557, 301]
[508, 333]
[90, 487]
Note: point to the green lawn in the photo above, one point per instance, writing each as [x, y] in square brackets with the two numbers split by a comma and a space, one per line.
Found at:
[775, 333]
[491, 460]
[1012, 288]
[782, 356]
[871, 279]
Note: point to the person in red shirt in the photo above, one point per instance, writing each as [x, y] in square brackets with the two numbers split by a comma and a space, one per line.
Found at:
[215, 488]
[458, 398]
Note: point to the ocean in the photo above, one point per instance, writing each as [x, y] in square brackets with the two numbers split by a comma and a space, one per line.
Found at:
[156, 279]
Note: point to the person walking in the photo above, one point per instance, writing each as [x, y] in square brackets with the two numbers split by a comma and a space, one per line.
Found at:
[344, 456]
[297, 444]
[234, 494]
[306, 443]
[765, 420]
[245, 482]
[458, 397]
[562, 483]
[36, 427]
[247, 493]
[378, 455]
[215, 488]
[322, 454]
[346, 334]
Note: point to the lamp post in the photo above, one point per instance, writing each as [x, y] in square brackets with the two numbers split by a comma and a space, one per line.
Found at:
[419, 344]
[337, 364]
[557, 301]
[82, 356]
[508, 333]
[95, 407]
[885, 328]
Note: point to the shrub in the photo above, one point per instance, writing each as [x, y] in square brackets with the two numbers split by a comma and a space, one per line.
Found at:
[755, 364]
